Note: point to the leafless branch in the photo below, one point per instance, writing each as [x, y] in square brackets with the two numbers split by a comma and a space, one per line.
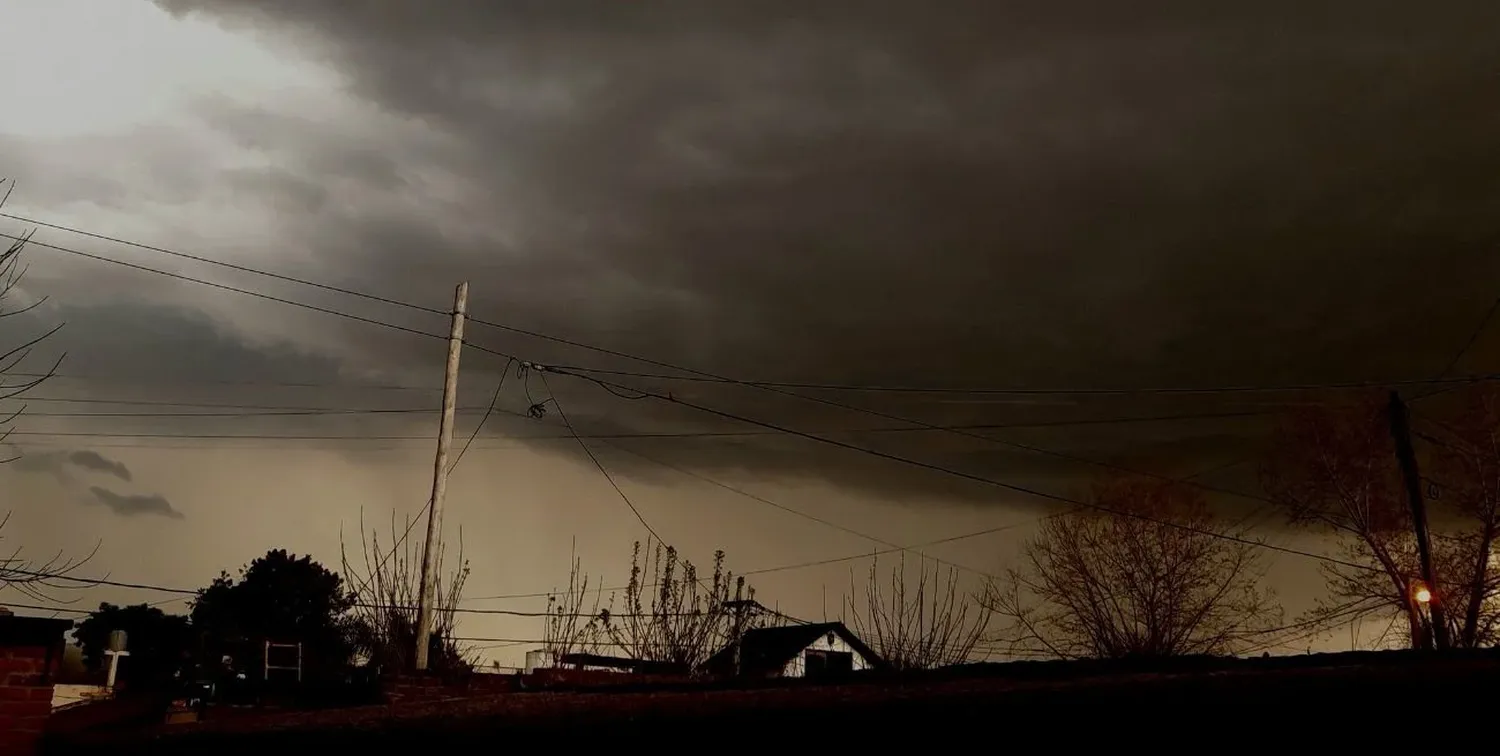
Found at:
[387, 588]
[925, 625]
[681, 619]
[1105, 585]
[573, 624]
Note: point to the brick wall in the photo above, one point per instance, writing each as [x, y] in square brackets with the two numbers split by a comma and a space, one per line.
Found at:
[30, 655]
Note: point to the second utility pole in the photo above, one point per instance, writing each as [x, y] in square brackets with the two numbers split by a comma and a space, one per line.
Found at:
[440, 479]
[1401, 433]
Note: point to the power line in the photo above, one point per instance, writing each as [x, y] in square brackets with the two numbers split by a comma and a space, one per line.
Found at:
[101, 581]
[961, 432]
[494, 399]
[273, 410]
[173, 381]
[814, 563]
[1315, 626]
[211, 405]
[277, 447]
[695, 375]
[224, 287]
[142, 586]
[56, 609]
[62, 610]
[762, 571]
[223, 436]
[222, 415]
[700, 374]
[552, 397]
[298, 410]
[223, 264]
[965, 475]
[1478, 331]
[1016, 445]
[787, 509]
[1469, 343]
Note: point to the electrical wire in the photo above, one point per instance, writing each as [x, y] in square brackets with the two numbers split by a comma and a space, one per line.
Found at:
[552, 397]
[1016, 445]
[1478, 331]
[700, 374]
[609, 385]
[789, 510]
[174, 381]
[102, 581]
[223, 264]
[814, 563]
[209, 405]
[928, 426]
[411, 523]
[544, 594]
[225, 287]
[272, 410]
[266, 413]
[697, 376]
[971, 476]
[693, 374]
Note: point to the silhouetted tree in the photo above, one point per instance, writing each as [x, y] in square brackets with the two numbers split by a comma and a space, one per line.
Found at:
[1157, 579]
[921, 624]
[1333, 471]
[670, 614]
[157, 642]
[279, 598]
[1465, 456]
[383, 618]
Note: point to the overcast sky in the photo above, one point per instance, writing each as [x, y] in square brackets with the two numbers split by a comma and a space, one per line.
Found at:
[961, 194]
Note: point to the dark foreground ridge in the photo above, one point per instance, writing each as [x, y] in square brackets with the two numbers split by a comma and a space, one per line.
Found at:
[1273, 698]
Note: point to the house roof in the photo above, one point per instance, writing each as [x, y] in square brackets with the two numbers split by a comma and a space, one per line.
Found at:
[768, 649]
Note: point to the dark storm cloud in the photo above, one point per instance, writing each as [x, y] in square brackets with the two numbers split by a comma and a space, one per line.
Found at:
[129, 341]
[137, 374]
[57, 464]
[92, 460]
[990, 193]
[131, 505]
[994, 191]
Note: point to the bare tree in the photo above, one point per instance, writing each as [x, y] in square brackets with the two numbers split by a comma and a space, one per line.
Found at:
[670, 614]
[1333, 471]
[925, 625]
[1466, 475]
[383, 623]
[40, 579]
[1155, 576]
[573, 623]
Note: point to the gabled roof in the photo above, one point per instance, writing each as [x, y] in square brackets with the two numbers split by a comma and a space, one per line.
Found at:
[768, 649]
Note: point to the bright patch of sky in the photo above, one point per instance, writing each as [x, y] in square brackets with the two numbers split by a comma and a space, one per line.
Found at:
[88, 67]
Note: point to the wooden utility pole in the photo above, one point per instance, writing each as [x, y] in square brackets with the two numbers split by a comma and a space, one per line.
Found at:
[440, 478]
[1407, 457]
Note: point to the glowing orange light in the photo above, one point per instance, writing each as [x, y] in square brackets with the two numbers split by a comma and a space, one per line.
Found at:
[1423, 595]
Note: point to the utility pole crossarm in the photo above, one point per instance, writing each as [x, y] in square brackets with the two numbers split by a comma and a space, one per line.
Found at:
[440, 479]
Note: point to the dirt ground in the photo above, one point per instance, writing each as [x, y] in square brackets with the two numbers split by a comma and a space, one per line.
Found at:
[1248, 704]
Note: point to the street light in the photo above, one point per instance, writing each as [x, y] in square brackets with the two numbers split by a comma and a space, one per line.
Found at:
[1421, 594]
